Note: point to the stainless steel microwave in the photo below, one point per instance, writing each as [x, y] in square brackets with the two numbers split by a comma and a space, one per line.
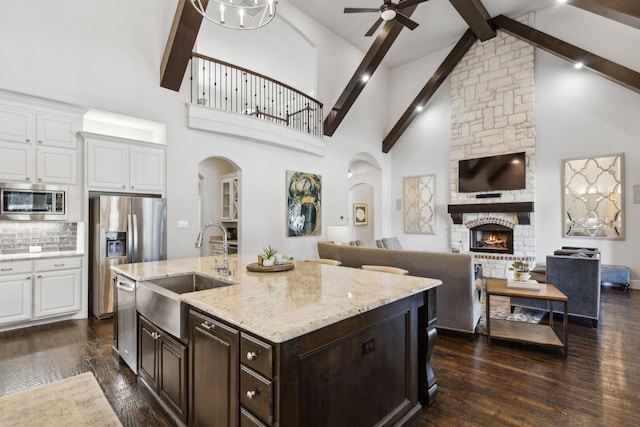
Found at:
[32, 202]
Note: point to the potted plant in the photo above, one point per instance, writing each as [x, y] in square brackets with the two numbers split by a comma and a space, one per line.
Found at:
[521, 270]
[267, 256]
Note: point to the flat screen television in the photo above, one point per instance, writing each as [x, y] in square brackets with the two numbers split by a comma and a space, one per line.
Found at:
[493, 173]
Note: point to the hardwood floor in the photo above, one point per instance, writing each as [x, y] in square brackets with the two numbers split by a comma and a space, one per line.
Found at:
[505, 384]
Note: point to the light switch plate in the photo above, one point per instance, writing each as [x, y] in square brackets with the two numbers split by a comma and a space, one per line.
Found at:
[183, 223]
[636, 194]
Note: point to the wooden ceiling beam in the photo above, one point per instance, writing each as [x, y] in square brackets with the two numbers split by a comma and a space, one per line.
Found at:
[606, 68]
[371, 61]
[623, 11]
[440, 75]
[476, 16]
[182, 38]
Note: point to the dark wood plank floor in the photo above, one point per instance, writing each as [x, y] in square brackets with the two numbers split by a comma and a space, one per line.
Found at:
[505, 384]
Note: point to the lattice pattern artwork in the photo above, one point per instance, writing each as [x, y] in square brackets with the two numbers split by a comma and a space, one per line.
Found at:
[593, 196]
[419, 204]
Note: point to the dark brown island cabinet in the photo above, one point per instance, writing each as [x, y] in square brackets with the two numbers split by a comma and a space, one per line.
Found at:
[371, 369]
[163, 367]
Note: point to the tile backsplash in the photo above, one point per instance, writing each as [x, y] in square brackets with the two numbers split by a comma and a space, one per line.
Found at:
[17, 237]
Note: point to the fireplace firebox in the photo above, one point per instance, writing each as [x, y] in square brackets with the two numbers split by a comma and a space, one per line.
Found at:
[492, 238]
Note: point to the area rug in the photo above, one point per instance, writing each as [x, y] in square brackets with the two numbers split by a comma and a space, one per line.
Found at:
[501, 309]
[75, 401]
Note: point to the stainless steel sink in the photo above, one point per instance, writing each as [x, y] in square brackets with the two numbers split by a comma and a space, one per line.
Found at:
[159, 300]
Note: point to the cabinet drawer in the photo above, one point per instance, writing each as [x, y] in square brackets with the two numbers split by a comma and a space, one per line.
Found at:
[248, 420]
[256, 354]
[58, 264]
[256, 394]
[15, 267]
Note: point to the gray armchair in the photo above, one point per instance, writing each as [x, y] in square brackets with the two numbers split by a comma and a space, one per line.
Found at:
[578, 277]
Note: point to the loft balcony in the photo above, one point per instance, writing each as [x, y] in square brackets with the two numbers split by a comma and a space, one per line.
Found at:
[233, 100]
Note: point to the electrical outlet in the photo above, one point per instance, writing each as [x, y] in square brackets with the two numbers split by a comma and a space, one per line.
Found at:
[183, 223]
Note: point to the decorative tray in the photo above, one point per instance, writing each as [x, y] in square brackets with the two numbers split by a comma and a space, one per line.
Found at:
[255, 267]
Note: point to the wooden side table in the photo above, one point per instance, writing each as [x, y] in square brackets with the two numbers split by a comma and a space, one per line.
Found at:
[527, 332]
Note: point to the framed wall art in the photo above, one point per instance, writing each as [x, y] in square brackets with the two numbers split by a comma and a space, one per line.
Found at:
[360, 214]
[304, 202]
[420, 204]
[593, 197]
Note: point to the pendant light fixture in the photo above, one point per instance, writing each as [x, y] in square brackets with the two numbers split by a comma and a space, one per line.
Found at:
[237, 14]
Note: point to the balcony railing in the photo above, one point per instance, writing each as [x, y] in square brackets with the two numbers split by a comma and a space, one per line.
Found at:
[226, 87]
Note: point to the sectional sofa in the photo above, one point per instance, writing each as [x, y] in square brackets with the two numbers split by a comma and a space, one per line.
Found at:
[458, 299]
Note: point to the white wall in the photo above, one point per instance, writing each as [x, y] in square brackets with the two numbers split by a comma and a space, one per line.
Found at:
[578, 114]
[95, 55]
[106, 55]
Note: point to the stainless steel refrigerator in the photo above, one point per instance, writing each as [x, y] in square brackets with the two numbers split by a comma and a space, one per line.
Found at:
[123, 229]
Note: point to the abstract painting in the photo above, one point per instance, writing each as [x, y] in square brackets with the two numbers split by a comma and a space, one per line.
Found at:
[304, 199]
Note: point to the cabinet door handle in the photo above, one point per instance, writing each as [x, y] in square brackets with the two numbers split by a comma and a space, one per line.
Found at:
[155, 335]
[39, 276]
[39, 141]
[208, 325]
[6, 269]
[252, 355]
[28, 179]
[251, 394]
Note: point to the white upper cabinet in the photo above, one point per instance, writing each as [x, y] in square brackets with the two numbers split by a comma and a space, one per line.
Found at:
[38, 143]
[230, 197]
[16, 125]
[118, 164]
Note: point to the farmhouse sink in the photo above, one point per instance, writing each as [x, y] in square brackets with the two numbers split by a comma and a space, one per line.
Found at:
[159, 300]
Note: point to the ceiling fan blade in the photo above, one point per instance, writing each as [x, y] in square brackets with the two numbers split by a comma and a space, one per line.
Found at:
[360, 9]
[374, 27]
[408, 3]
[388, 1]
[406, 21]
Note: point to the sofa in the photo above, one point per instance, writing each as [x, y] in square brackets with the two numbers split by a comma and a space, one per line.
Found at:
[458, 304]
[576, 273]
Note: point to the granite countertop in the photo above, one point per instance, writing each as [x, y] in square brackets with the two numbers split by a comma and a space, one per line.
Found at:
[39, 255]
[284, 305]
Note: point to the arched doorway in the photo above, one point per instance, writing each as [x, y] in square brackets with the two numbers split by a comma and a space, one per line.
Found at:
[218, 200]
[365, 180]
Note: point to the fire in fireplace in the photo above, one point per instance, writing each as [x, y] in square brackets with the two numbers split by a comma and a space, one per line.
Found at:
[494, 238]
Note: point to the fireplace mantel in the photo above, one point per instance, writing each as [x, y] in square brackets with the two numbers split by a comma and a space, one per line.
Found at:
[521, 209]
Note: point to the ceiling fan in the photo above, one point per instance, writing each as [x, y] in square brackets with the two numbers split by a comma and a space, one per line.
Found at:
[388, 11]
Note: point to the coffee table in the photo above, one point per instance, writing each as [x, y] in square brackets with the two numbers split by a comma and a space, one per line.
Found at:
[528, 332]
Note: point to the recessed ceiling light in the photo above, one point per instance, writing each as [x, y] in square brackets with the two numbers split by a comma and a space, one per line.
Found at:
[419, 108]
[578, 65]
[562, 1]
[365, 78]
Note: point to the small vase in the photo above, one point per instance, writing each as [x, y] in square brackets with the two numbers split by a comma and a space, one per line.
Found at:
[267, 262]
[524, 276]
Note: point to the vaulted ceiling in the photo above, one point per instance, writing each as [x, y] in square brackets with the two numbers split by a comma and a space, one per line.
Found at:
[441, 23]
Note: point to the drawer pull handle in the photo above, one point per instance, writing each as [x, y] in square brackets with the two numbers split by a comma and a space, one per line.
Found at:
[6, 269]
[58, 265]
[251, 394]
[252, 355]
[208, 325]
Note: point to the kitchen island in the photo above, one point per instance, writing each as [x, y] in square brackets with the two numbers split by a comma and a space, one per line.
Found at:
[316, 345]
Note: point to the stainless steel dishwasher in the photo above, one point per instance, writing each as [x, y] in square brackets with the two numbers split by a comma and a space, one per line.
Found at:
[127, 321]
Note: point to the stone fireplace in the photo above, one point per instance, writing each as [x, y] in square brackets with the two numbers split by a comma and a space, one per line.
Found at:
[492, 113]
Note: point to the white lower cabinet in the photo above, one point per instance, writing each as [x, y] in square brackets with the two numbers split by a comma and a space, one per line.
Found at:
[39, 289]
[15, 303]
[56, 293]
